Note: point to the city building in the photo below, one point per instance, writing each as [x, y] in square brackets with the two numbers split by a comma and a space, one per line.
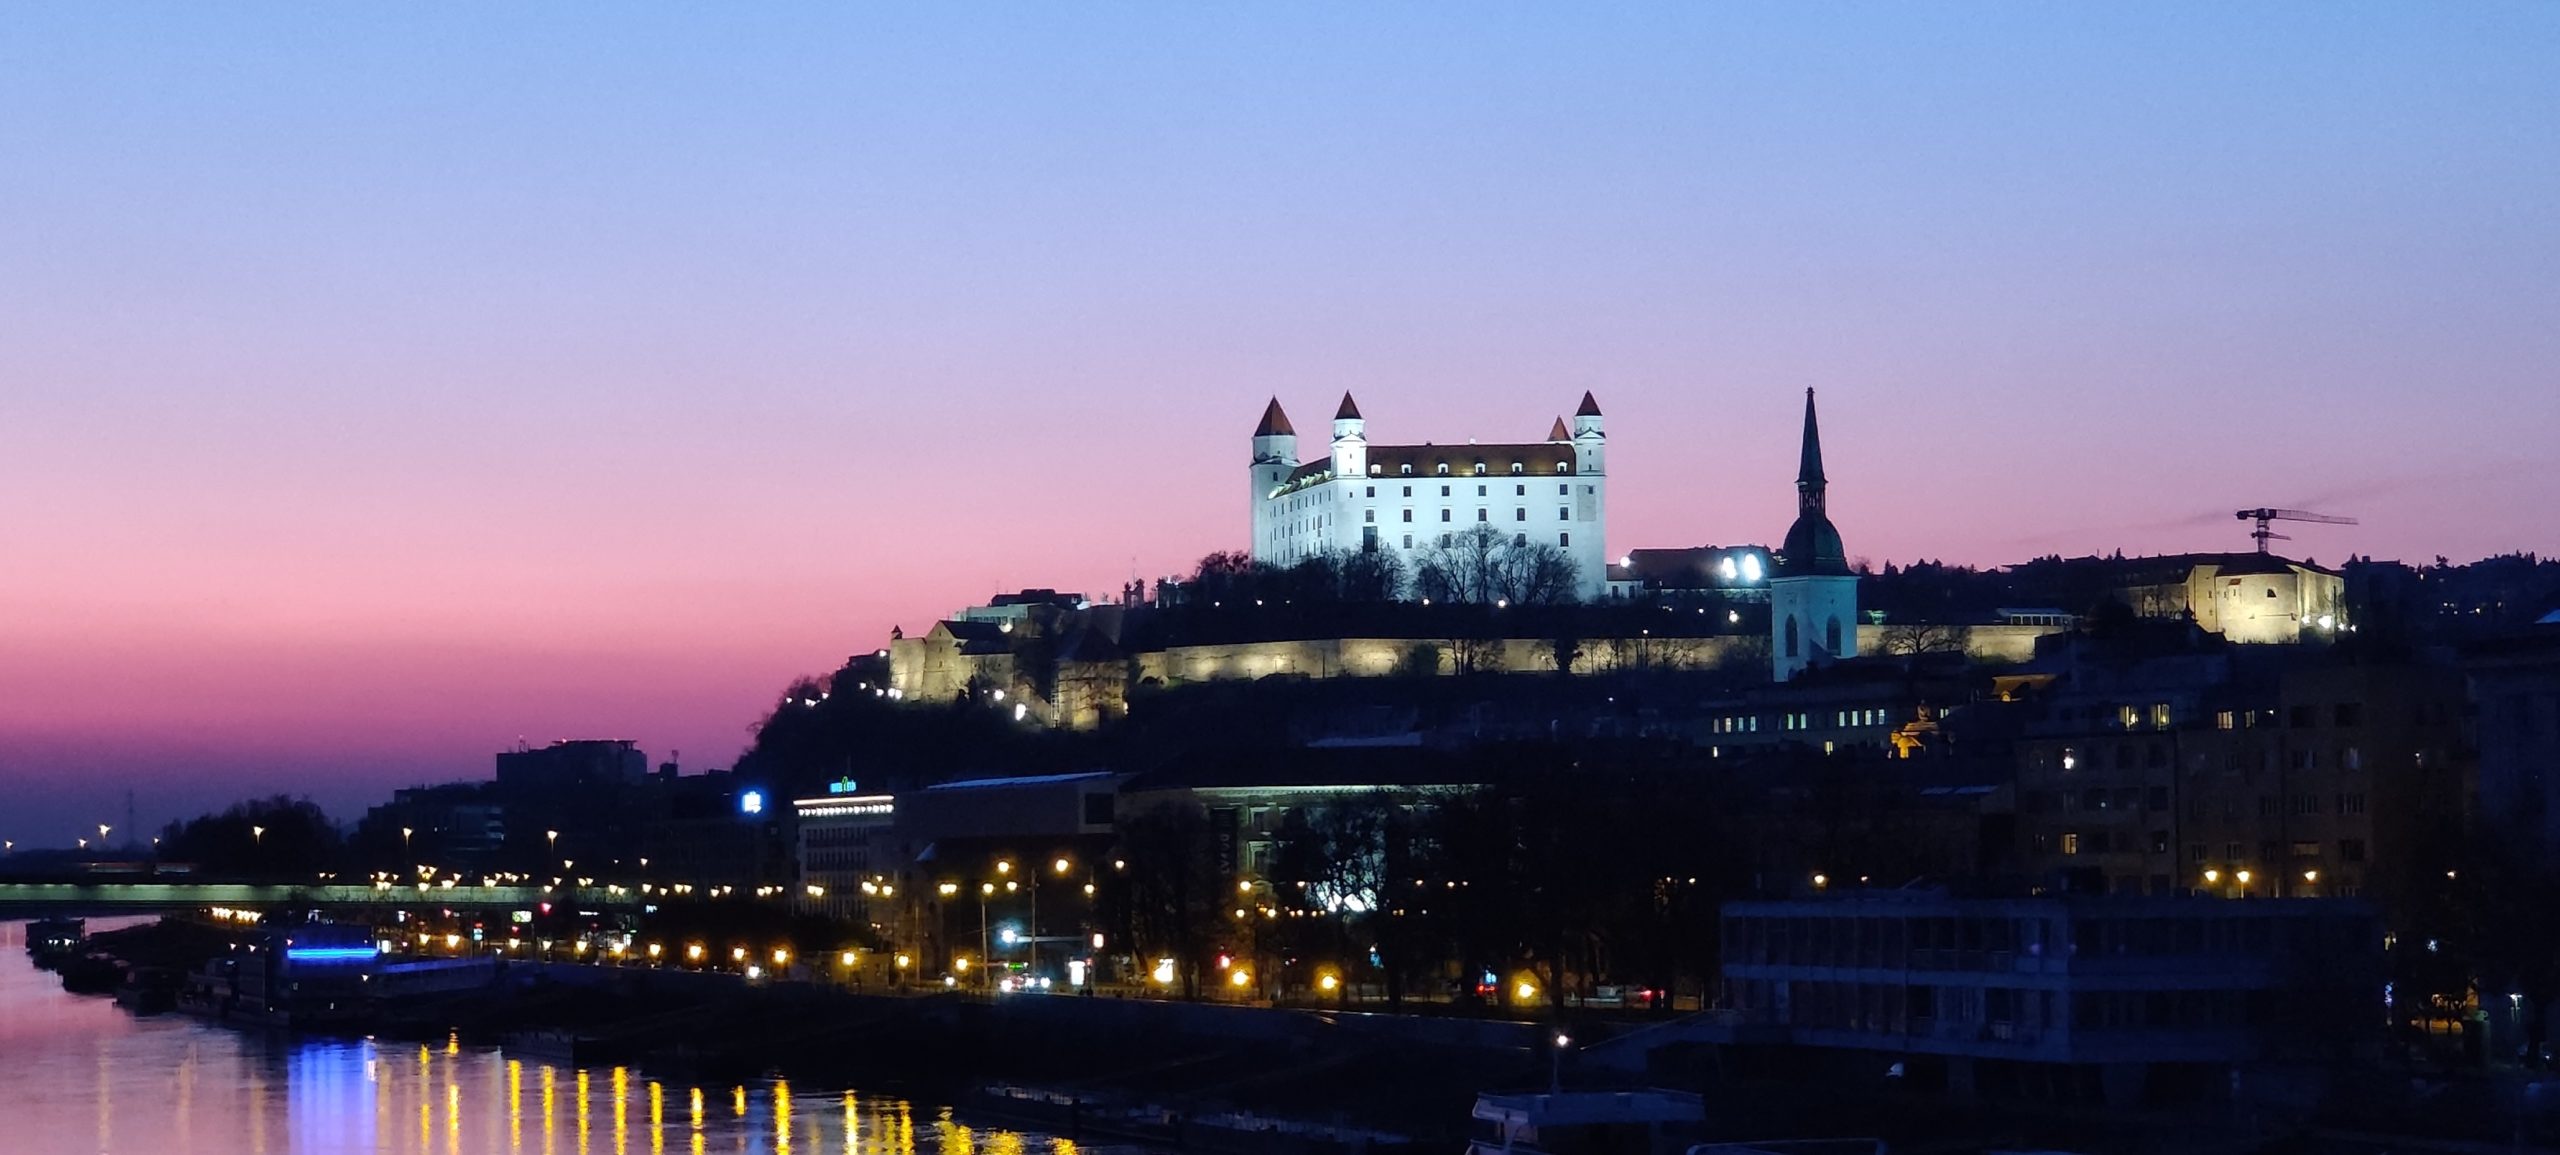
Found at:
[571, 765]
[2126, 1001]
[1813, 602]
[2172, 762]
[2515, 681]
[457, 826]
[1705, 574]
[844, 848]
[1412, 497]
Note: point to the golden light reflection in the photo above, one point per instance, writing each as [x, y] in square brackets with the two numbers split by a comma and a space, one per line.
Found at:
[426, 1107]
[697, 1111]
[657, 1118]
[1004, 1143]
[781, 1116]
[549, 1107]
[515, 1104]
[452, 1116]
[954, 1138]
[582, 1109]
[738, 1101]
[852, 1124]
[621, 1110]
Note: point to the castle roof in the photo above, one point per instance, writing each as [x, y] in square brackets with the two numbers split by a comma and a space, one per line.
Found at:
[1558, 432]
[1535, 459]
[1348, 411]
[1276, 423]
[1590, 407]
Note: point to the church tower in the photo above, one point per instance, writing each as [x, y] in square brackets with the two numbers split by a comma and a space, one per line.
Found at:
[1350, 440]
[1813, 600]
[1275, 454]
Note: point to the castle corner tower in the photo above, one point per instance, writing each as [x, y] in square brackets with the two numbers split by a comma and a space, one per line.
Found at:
[1813, 600]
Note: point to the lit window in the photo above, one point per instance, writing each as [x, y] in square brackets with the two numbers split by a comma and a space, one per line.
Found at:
[2071, 842]
[1515, 467]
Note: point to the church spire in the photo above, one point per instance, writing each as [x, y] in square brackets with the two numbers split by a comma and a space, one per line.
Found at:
[1810, 484]
[1812, 545]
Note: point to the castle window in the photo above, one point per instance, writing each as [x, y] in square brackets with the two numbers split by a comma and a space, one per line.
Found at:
[1794, 644]
[1408, 490]
[1444, 491]
[1564, 513]
[1519, 515]
[1483, 514]
[1564, 467]
[1408, 538]
[1407, 470]
[1369, 516]
[1444, 469]
[1480, 491]
[1369, 491]
[1564, 490]
[1564, 541]
[1408, 515]
[1376, 469]
[1515, 467]
[1444, 515]
[1831, 635]
[1519, 491]
[1480, 473]
[1444, 541]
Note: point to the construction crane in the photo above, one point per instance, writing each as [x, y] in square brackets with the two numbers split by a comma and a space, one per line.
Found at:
[2263, 516]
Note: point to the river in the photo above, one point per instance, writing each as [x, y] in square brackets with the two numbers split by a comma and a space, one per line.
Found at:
[78, 1074]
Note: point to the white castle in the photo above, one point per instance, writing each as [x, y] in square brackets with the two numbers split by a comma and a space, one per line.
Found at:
[1409, 498]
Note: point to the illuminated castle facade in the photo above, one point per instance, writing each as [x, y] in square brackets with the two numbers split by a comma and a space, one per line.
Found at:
[1409, 498]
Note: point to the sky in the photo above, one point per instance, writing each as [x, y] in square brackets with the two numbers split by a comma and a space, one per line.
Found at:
[380, 386]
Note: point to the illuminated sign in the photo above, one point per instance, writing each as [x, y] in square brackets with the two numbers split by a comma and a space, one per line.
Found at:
[751, 802]
[844, 786]
[307, 954]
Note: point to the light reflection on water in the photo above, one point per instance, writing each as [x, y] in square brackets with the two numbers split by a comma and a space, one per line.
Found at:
[79, 1075]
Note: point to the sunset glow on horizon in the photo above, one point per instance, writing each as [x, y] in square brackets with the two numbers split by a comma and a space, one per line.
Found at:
[384, 387]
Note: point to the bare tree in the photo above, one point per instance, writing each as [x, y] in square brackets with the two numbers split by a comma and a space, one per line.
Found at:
[1464, 567]
[1907, 639]
[1484, 566]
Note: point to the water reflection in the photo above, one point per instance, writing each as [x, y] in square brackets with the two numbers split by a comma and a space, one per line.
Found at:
[79, 1075]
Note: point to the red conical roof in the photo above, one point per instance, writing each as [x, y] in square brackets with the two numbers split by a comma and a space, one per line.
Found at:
[1274, 422]
[1558, 432]
[1590, 407]
[1349, 411]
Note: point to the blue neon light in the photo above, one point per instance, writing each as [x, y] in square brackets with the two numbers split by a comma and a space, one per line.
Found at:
[328, 953]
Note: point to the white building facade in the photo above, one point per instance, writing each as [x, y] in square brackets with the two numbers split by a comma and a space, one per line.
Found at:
[1409, 498]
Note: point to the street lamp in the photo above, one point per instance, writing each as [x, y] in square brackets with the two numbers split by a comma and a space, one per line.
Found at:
[258, 835]
[103, 828]
[405, 833]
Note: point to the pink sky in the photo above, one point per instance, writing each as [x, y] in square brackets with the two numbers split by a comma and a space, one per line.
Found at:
[376, 394]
